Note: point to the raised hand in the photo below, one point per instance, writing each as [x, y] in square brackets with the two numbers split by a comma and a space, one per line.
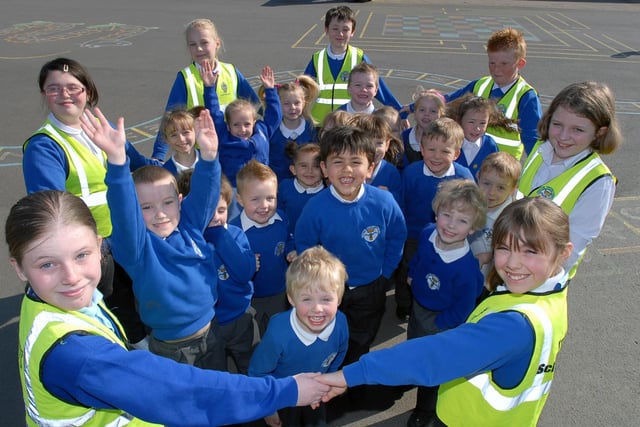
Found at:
[112, 141]
[310, 391]
[267, 78]
[337, 383]
[208, 77]
[206, 135]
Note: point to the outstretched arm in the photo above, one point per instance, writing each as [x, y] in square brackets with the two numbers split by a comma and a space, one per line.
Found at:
[206, 136]
[267, 78]
[111, 141]
[337, 383]
[310, 390]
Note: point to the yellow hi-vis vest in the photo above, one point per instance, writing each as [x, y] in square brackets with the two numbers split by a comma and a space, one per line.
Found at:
[333, 93]
[42, 326]
[506, 140]
[565, 189]
[226, 85]
[478, 400]
[86, 175]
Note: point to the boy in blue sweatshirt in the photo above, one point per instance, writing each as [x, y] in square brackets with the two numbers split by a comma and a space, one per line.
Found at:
[158, 239]
[312, 336]
[440, 146]
[267, 229]
[444, 275]
[362, 225]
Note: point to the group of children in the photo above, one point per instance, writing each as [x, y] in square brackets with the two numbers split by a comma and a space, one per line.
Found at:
[263, 220]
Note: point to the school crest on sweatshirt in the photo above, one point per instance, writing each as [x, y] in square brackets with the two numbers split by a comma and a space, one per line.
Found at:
[371, 233]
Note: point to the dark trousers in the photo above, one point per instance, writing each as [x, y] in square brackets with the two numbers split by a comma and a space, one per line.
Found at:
[303, 416]
[364, 307]
[404, 298]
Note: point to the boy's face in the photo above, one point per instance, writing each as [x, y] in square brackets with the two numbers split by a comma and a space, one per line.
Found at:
[220, 216]
[504, 66]
[307, 169]
[347, 172]
[241, 123]
[339, 33]
[181, 139]
[496, 188]
[474, 124]
[438, 154]
[160, 205]
[453, 224]
[259, 199]
[362, 88]
[315, 306]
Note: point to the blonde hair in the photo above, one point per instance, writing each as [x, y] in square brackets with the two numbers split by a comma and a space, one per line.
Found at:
[254, 170]
[457, 193]
[309, 88]
[151, 173]
[333, 119]
[446, 128]
[422, 94]
[507, 39]
[174, 119]
[364, 68]
[240, 104]
[205, 24]
[316, 267]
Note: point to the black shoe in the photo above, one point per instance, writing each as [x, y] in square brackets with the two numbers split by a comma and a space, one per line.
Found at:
[420, 418]
[403, 313]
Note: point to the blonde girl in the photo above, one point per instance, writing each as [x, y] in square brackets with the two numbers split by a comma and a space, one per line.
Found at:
[203, 42]
[177, 127]
[428, 105]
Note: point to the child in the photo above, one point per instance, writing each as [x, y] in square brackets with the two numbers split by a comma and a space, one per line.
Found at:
[428, 106]
[159, 241]
[294, 193]
[385, 175]
[565, 166]
[497, 368]
[177, 129]
[498, 180]
[203, 42]
[74, 364]
[440, 146]
[473, 114]
[360, 224]
[444, 276]
[362, 88]
[297, 125]
[516, 99]
[333, 119]
[267, 229]
[332, 65]
[312, 336]
[392, 117]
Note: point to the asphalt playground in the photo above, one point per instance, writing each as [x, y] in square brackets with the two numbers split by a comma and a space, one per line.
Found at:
[134, 49]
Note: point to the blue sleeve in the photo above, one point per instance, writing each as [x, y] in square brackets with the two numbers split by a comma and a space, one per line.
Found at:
[44, 165]
[341, 325]
[311, 69]
[496, 341]
[96, 373]
[137, 160]
[265, 357]
[212, 103]
[245, 90]
[198, 207]
[384, 95]
[273, 112]
[177, 97]
[396, 235]
[465, 292]
[307, 231]
[234, 251]
[460, 92]
[529, 114]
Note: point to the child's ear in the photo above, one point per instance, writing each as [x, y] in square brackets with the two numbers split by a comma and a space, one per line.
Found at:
[521, 63]
[17, 269]
[566, 252]
[292, 169]
[457, 154]
[239, 199]
[370, 169]
[602, 131]
[323, 168]
[290, 300]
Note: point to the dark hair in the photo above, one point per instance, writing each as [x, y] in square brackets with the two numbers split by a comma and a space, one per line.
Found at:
[340, 13]
[534, 221]
[74, 68]
[378, 128]
[293, 149]
[33, 215]
[350, 139]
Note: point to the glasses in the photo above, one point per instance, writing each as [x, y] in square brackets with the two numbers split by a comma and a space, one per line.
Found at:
[72, 90]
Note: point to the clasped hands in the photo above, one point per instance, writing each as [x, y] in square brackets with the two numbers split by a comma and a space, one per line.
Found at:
[314, 388]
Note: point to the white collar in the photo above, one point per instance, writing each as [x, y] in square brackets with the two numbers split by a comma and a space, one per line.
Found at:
[554, 283]
[475, 143]
[546, 150]
[448, 255]
[247, 223]
[180, 167]
[450, 172]
[334, 56]
[367, 110]
[78, 134]
[413, 142]
[293, 134]
[307, 337]
[339, 197]
[375, 172]
[302, 189]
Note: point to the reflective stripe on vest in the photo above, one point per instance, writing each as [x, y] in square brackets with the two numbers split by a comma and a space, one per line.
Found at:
[226, 85]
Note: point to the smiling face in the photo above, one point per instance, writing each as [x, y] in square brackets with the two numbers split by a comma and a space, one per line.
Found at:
[339, 33]
[160, 205]
[259, 199]
[220, 215]
[315, 306]
[454, 224]
[524, 268]
[181, 139]
[306, 168]
[362, 88]
[425, 111]
[474, 124]
[63, 266]
[65, 106]
[241, 122]
[292, 102]
[504, 66]
[203, 45]
[570, 133]
[495, 187]
[347, 172]
[438, 154]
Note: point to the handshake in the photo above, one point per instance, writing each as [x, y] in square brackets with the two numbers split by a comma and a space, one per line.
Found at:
[314, 388]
